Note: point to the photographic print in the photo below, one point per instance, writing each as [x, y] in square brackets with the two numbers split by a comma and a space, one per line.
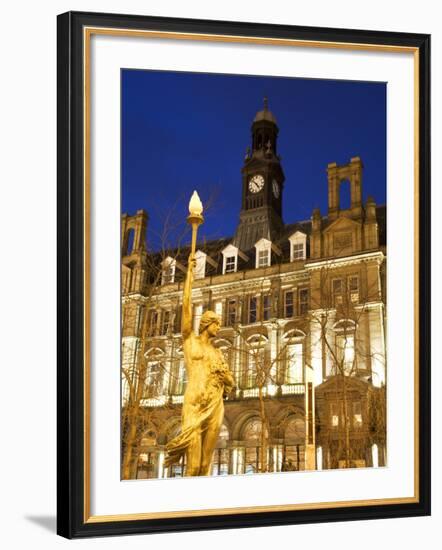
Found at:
[232, 349]
[253, 275]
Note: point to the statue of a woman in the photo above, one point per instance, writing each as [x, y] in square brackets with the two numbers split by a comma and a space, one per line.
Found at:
[208, 380]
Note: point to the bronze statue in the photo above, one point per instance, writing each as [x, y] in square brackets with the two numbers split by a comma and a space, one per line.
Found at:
[208, 380]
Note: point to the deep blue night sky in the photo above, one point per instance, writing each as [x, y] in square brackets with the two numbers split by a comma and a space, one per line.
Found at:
[185, 131]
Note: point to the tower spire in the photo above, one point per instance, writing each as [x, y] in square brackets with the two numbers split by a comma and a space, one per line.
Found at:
[263, 179]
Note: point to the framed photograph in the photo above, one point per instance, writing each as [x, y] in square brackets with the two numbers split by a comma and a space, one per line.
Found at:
[234, 348]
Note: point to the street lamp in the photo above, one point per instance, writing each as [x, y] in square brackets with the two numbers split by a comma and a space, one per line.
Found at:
[195, 218]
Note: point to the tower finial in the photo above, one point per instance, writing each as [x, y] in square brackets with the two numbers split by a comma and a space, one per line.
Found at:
[266, 103]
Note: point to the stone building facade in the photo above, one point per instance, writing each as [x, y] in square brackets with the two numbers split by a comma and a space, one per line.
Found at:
[303, 327]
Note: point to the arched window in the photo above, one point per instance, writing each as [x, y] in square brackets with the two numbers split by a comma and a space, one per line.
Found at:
[294, 349]
[252, 430]
[295, 363]
[254, 367]
[295, 430]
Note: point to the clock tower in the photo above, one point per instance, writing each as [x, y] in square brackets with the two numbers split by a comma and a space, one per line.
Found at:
[262, 185]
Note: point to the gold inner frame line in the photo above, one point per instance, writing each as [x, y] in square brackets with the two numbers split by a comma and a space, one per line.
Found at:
[87, 34]
[249, 39]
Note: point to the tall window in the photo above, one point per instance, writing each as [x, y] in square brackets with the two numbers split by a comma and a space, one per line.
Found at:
[231, 312]
[165, 322]
[253, 364]
[303, 301]
[295, 364]
[254, 360]
[353, 289]
[289, 306]
[266, 307]
[253, 309]
[152, 327]
[259, 308]
[337, 291]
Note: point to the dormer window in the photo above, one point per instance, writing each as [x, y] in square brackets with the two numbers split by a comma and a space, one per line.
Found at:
[264, 249]
[202, 259]
[263, 253]
[298, 246]
[168, 271]
[230, 258]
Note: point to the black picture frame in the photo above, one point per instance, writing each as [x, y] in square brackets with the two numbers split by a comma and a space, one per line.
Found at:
[72, 395]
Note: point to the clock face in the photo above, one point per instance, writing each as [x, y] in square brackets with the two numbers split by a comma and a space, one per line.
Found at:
[256, 183]
[275, 187]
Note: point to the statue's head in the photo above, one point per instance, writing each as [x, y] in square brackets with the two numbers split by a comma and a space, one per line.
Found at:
[211, 322]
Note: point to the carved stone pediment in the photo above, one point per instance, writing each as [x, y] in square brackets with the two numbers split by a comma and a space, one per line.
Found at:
[342, 224]
[343, 237]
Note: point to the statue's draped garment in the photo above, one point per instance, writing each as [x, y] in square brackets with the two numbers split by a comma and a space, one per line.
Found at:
[209, 379]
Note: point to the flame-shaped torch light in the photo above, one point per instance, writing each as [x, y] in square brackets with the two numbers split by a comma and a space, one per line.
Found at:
[195, 218]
